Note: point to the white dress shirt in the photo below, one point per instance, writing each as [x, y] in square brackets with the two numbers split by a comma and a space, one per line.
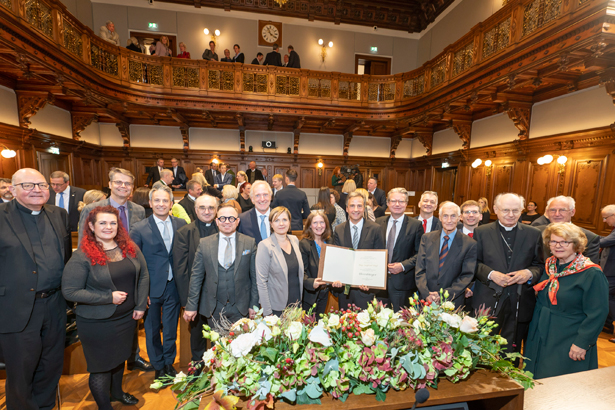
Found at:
[400, 221]
[429, 223]
[160, 224]
[359, 227]
[222, 242]
[66, 194]
[258, 222]
[467, 231]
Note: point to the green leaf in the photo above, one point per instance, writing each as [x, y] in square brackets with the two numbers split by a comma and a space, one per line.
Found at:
[380, 395]
[303, 398]
[332, 364]
[193, 405]
[270, 353]
[363, 389]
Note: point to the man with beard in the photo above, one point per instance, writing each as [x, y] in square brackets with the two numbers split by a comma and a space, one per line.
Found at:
[5, 192]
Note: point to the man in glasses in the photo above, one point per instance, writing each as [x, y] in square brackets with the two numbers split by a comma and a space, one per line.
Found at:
[470, 217]
[186, 244]
[510, 259]
[229, 287]
[34, 246]
[65, 196]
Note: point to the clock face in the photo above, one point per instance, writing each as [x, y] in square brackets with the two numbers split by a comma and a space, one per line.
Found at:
[270, 33]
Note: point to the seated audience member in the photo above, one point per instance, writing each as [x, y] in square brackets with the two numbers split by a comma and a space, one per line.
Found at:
[5, 193]
[133, 44]
[470, 217]
[293, 199]
[183, 53]
[446, 259]
[279, 266]
[242, 178]
[294, 60]
[369, 212]
[231, 292]
[427, 205]
[199, 170]
[91, 196]
[210, 55]
[349, 186]
[255, 223]
[285, 63]
[179, 175]
[195, 190]
[274, 58]
[257, 60]
[238, 57]
[108, 278]
[162, 47]
[378, 210]
[244, 197]
[277, 181]
[141, 197]
[340, 215]
[324, 204]
[571, 306]
[227, 56]
[607, 262]
[229, 196]
[166, 178]
[223, 177]
[108, 33]
[65, 196]
[530, 215]
[485, 211]
[208, 189]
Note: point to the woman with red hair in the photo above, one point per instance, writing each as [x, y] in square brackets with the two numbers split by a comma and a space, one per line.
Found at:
[107, 277]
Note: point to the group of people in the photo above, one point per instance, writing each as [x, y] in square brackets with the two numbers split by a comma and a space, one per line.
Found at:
[542, 283]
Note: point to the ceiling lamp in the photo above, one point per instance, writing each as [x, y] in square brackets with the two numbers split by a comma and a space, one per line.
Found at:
[477, 163]
[8, 153]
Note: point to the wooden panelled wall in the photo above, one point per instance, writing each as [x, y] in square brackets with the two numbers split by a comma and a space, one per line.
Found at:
[588, 176]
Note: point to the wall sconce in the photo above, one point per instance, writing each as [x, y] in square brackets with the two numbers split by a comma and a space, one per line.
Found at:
[215, 161]
[477, 163]
[545, 160]
[323, 52]
[561, 164]
[8, 153]
[320, 165]
[445, 165]
[214, 35]
[488, 164]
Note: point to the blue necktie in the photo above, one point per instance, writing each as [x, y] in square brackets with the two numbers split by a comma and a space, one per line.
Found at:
[61, 202]
[263, 227]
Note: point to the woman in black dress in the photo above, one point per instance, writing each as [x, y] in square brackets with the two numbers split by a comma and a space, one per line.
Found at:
[324, 204]
[484, 209]
[531, 215]
[107, 277]
[244, 197]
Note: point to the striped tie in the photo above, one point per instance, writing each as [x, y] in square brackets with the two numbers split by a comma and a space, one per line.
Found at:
[443, 252]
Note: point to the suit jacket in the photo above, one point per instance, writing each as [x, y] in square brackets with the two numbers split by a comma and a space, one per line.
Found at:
[311, 261]
[436, 225]
[210, 177]
[543, 220]
[258, 175]
[457, 271]
[293, 60]
[297, 203]
[527, 254]
[273, 58]
[404, 252]
[272, 273]
[221, 181]
[76, 195]
[239, 58]
[91, 286]
[371, 236]
[209, 55]
[17, 283]
[249, 224]
[381, 197]
[180, 178]
[255, 61]
[607, 258]
[136, 213]
[154, 175]
[204, 278]
[592, 250]
[148, 238]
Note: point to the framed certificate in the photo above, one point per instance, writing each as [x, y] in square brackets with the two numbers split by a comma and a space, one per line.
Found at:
[367, 267]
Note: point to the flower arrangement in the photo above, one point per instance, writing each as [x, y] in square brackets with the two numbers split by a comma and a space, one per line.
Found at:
[299, 358]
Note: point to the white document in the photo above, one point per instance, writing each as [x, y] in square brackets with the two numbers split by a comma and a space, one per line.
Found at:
[354, 267]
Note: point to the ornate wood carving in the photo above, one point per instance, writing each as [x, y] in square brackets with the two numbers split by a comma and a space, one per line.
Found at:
[296, 135]
[519, 113]
[242, 139]
[463, 128]
[347, 141]
[29, 103]
[185, 131]
[427, 140]
[270, 122]
[394, 145]
[81, 121]
[124, 129]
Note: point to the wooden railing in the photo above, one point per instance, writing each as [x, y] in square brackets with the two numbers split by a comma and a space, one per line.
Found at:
[518, 21]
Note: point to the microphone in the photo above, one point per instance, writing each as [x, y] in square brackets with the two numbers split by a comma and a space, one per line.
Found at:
[420, 397]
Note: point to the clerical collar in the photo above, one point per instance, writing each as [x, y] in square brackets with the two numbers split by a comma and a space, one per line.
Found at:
[27, 210]
[508, 229]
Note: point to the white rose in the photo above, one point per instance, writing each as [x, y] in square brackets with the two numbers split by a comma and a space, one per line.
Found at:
[469, 325]
[294, 330]
[334, 321]
[262, 330]
[364, 319]
[208, 356]
[417, 326]
[321, 323]
[382, 318]
[319, 335]
[448, 305]
[396, 320]
[272, 320]
[180, 377]
[368, 337]
[243, 344]
[452, 320]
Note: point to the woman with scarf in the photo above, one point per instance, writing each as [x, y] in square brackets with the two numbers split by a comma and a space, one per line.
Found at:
[571, 307]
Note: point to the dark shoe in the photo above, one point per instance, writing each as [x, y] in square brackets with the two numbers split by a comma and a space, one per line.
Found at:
[612, 340]
[126, 399]
[159, 374]
[140, 364]
[170, 370]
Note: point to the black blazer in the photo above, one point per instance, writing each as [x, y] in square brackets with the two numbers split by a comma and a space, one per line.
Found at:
[210, 177]
[371, 236]
[258, 175]
[436, 225]
[239, 58]
[543, 220]
[184, 249]
[527, 254]
[297, 203]
[255, 61]
[404, 252]
[592, 250]
[457, 271]
[17, 283]
[273, 58]
[381, 197]
[180, 178]
[311, 260]
[76, 195]
[154, 175]
[91, 286]
[293, 60]
[146, 235]
[249, 224]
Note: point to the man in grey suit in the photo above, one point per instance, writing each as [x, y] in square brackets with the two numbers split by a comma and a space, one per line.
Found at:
[223, 280]
[607, 261]
[446, 259]
[186, 245]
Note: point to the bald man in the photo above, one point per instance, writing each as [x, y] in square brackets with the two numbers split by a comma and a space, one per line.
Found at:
[34, 246]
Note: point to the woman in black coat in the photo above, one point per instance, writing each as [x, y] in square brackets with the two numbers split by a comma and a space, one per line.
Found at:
[324, 204]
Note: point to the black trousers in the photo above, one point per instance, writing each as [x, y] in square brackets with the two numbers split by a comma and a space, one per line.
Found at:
[34, 357]
[198, 344]
[506, 327]
[611, 316]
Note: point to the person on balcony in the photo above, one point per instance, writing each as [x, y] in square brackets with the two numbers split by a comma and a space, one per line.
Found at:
[211, 53]
[294, 60]
[239, 56]
[258, 59]
[108, 33]
[227, 56]
[184, 53]
[285, 64]
[162, 47]
[274, 58]
[133, 44]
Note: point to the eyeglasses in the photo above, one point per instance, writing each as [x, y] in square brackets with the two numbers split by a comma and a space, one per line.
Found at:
[120, 183]
[604, 218]
[470, 212]
[560, 243]
[206, 208]
[224, 219]
[558, 210]
[508, 211]
[397, 202]
[29, 186]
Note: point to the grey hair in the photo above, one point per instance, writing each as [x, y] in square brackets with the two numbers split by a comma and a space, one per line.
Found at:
[449, 204]
[609, 209]
[60, 174]
[397, 191]
[205, 196]
[108, 22]
[568, 199]
[165, 172]
[434, 193]
[496, 201]
[256, 184]
[159, 186]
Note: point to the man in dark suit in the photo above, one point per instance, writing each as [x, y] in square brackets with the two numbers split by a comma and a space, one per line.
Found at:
[509, 262]
[227, 56]
[239, 57]
[427, 206]
[154, 172]
[188, 202]
[257, 60]
[229, 287]
[186, 245]
[179, 175]
[65, 196]
[277, 182]
[403, 237]
[253, 173]
[294, 199]
[293, 58]
[446, 259]
[359, 233]
[470, 217]
[34, 246]
[5, 192]
[372, 188]
[155, 237]
[223, 178]
[255, 222]
[210, 174]
[543, 220]
[274, 58]
[607, 261]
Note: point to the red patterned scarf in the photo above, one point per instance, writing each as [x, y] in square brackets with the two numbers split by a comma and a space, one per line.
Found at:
[579, 264]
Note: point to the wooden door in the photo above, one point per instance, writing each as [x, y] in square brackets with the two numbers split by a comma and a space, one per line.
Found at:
[373, 65]
[48, 163]
[444, 183]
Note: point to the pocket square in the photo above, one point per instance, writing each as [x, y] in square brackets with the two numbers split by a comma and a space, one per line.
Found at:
[247, 251]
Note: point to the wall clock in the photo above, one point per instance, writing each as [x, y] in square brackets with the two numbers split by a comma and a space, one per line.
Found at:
[269, 33]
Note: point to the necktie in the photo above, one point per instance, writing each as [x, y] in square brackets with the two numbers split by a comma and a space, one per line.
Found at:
[471, 234]
[391, 240]
[228, 253]
[355, 237]
[425, 225]
[61, 202]
[443, 252]
[263, 228]
[166, 237]
[123, 218]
